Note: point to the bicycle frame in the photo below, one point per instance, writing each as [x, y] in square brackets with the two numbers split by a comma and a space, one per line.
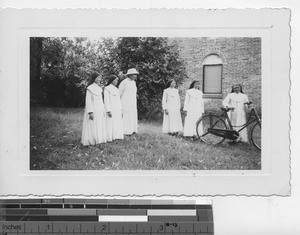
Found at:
[220, 125]
[248, 122]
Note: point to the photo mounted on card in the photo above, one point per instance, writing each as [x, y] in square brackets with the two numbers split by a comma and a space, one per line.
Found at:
[145, 102]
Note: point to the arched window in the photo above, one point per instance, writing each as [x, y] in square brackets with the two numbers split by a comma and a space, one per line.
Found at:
[212, 74]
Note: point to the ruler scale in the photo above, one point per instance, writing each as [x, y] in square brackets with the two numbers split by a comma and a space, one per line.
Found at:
[105, 216]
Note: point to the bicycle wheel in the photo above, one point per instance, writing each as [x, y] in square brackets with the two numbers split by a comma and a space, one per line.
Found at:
[256, 135]
[205, 123]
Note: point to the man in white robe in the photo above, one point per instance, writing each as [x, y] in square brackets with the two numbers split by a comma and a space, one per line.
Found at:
[128, 93]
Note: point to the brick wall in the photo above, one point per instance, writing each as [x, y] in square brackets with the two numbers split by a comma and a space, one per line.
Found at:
[241, 64]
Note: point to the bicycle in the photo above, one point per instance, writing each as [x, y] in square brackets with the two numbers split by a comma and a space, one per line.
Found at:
[214, 129]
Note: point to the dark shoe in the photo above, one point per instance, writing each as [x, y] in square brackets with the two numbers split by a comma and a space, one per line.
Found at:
[233, 142]
[189, 138]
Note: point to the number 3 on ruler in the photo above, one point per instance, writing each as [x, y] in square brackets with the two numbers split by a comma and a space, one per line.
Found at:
[161, 227]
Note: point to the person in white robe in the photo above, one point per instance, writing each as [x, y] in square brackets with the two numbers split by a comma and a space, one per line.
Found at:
[237, 99]
[113, 107]
[194, 108]
[94, 126]
[128, 94]
[172, 122]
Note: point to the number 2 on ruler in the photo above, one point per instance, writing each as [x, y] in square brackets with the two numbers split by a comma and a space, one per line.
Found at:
[104, 227]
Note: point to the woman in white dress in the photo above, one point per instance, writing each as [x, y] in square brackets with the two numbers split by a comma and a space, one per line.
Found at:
[94, 129]
[113, 107]
[237, 99]
[172, 122]
[194, 108]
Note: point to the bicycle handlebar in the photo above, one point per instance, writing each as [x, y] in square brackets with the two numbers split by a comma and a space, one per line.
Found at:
[227, 109]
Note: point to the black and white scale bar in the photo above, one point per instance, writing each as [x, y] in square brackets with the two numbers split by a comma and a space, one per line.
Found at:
[104, 203]
[103, 206]
[50, 218]
[80, 211]
[127, 218]
[104, 215]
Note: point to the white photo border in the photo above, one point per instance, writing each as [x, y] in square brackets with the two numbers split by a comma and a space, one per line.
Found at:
[272, 25]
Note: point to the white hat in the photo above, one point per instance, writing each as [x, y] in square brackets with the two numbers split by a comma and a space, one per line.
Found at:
[132, 72]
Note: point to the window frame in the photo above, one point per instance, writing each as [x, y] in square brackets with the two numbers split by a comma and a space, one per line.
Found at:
[203, 77]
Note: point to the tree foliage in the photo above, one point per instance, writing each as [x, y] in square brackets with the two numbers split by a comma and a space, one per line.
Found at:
[157, 61]
[60, 68]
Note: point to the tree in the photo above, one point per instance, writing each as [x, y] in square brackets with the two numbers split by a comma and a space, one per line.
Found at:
[158, 61]
[60, 68]
[36, 45]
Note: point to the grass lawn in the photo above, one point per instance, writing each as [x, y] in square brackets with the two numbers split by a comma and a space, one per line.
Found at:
[55, 145]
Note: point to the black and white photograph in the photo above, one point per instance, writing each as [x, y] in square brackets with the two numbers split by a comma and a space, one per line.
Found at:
[145, 103]
[186, 101]
[160, 102]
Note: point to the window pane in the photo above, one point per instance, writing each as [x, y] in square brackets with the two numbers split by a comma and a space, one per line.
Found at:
[213, 79]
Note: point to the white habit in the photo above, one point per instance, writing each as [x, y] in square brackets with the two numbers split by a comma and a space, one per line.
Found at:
[194, 106]
[112, 104]
[128, 92]
[171, 102]
[237, 116]
[94, 131]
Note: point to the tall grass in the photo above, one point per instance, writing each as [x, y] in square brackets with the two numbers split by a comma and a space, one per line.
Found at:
[55, 144]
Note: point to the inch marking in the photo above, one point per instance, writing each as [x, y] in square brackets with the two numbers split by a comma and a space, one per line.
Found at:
[40, 228]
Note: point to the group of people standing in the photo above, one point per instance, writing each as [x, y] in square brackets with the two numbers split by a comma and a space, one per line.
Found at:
[194, 109]
[111, 112]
